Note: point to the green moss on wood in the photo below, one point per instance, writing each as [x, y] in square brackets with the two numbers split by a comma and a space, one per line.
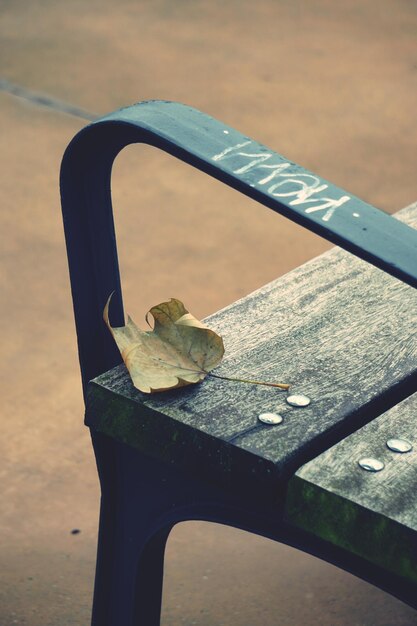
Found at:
[169, 440]
[344, 523]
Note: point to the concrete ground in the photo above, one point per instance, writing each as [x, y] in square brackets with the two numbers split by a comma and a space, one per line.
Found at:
[331, 85]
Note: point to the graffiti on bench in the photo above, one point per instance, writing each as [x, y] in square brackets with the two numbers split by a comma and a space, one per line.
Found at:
[283, 179]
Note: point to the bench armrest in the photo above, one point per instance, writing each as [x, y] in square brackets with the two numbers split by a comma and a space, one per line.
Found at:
[225, 154]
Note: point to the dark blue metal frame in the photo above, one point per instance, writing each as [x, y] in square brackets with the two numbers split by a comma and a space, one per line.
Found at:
[142, 499]
[200, 141]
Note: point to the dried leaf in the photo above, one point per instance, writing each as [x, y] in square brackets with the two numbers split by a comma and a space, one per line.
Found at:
[179, 351]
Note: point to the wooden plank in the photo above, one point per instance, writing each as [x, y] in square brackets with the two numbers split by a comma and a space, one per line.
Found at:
[373, 515]
[339, 330]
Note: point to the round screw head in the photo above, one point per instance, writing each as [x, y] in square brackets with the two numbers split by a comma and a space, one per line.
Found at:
[270, 418]
[298, 400]
[399, 445]
[371, 465]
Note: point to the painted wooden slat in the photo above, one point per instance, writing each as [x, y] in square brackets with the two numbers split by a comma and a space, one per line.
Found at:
[370, 514]
[339, 330]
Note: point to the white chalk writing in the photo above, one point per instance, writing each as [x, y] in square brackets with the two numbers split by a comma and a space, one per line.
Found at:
[299, 186]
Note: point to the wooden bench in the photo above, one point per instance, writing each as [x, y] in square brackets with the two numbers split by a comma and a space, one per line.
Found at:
[342, 331]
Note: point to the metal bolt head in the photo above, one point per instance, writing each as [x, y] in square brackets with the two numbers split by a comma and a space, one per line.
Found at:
[298, 400]
[270, 418]
[371, 465]
[399, 445]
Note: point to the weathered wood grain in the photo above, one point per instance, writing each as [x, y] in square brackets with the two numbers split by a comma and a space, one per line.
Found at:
[339, 330]
[373, 515]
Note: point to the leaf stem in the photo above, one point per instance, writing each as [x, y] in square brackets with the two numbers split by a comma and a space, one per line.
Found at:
[283, 386]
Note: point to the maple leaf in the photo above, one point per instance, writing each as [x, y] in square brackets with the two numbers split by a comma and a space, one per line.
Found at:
[178, 351]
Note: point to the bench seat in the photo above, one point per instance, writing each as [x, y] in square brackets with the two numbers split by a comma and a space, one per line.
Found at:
[372, 514]
[337, 329]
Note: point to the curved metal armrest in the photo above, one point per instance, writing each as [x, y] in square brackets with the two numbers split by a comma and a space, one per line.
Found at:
[230, 157]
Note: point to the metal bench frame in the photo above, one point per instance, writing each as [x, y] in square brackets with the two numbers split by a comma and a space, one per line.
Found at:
[143, 498]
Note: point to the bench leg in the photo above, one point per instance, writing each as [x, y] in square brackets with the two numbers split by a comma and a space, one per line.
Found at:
[142, 499]
[149, 579]
[131, 546]
[135, 594]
